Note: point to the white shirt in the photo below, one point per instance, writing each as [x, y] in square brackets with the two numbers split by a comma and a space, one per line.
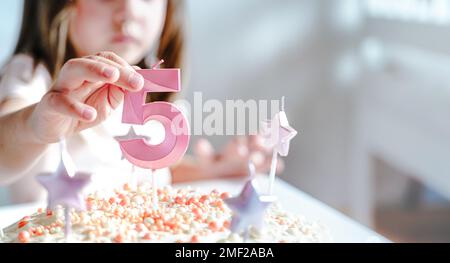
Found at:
[94, 150]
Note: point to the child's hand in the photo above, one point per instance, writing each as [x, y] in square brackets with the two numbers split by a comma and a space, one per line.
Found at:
[83, 95]
[233, 160]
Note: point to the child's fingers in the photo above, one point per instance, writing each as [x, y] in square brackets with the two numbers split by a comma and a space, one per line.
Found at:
[76, 71]
[236, 148]
[113, 57]
[204, 151]
[70, 107]
[128, 79]
[266, 166]
[257, 143]
[280, 166]
[258, 158]
[116, 59]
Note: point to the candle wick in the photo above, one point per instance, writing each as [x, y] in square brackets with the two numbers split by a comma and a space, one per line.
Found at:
[158, 64]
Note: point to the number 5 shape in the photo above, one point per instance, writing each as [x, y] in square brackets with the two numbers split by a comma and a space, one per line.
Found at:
[136, 111]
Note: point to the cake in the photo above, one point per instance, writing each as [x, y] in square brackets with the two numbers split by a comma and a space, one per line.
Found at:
[183, 215]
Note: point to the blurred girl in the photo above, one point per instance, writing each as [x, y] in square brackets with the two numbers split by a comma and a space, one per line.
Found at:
[66, 79]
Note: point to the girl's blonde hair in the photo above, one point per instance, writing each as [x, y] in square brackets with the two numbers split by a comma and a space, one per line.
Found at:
[44, 36]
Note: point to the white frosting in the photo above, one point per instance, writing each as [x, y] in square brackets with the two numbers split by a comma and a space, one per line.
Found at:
[105, 223]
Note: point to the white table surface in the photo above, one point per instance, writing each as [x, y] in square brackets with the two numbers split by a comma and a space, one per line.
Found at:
[341, 227]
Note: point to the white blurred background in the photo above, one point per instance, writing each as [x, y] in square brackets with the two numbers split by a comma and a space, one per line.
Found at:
[366, 85]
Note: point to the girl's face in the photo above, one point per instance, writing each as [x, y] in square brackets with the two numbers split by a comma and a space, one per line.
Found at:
[129, 28]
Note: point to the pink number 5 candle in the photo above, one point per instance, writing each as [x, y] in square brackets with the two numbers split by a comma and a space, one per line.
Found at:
[136, 111]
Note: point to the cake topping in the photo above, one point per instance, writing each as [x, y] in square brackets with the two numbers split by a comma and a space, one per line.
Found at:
[184, 215]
